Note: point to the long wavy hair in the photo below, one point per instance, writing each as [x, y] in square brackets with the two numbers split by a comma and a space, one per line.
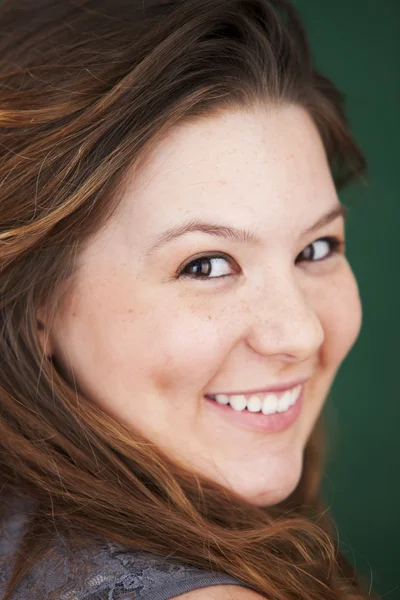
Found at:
[87, 89]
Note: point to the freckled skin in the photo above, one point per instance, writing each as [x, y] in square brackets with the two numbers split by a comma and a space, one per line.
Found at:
[146, 347]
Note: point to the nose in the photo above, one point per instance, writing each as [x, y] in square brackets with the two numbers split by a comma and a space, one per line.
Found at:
[284, 320]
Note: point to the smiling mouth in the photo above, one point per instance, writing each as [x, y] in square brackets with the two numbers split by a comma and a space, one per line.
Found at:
[265, 403]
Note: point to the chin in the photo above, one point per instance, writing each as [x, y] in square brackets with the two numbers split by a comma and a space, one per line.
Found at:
[271, 497]
[272, 488]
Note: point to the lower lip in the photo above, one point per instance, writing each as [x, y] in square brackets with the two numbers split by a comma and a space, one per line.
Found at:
[259, 421]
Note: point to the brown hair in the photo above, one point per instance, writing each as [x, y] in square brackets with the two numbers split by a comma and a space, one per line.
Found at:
[87, 89]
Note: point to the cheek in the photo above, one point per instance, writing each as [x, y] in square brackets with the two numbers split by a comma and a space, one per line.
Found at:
[187, 351]
[129, 340]
[341, 315]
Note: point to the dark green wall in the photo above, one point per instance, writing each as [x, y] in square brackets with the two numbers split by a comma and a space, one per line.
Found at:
[357, 44]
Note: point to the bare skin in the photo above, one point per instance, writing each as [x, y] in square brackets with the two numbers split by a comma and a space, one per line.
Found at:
[146, 345]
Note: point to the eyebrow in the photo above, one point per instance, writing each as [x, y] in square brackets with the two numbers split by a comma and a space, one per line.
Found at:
[243, 236]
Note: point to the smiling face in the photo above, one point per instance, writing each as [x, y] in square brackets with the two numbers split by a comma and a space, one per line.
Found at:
[148, 332]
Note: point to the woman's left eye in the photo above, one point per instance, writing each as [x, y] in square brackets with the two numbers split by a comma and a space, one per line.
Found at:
[216, 266]
[321, 249]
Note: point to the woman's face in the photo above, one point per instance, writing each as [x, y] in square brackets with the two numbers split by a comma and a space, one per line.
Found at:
[148, 332]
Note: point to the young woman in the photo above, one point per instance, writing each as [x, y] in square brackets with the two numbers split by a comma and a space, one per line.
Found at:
[175, 301]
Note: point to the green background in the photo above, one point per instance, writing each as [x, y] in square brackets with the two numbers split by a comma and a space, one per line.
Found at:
[357, 44]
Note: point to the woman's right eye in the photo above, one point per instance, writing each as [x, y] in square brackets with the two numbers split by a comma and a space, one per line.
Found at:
[211, 266]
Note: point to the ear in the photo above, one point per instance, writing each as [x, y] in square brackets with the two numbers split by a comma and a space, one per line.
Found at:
[43, 332]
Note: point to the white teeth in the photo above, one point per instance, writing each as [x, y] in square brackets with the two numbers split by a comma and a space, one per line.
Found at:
[222, 399]
[267, 404]
[284, 401]
[295, 393]
[270, 404]
[254, 404]
[238, 402]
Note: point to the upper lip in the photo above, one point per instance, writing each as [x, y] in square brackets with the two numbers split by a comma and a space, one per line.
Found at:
[281, 387]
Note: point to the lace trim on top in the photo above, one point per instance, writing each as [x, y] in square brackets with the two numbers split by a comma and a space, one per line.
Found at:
[111, 572]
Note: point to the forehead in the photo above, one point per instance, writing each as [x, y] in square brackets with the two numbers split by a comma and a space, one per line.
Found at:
[243, 146]
[242, 166]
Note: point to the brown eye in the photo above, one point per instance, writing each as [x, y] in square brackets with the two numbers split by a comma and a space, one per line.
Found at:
[206, 267]
[321, 249]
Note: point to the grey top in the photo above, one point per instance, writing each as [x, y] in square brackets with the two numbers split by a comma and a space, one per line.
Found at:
[113, 573]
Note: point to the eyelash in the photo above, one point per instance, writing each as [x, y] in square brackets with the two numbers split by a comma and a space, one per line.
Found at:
[335, 244]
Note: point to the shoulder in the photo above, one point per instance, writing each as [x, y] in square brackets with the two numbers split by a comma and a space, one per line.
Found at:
[153, 577]
[111, 571]
[221, 592]
[212, 592]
